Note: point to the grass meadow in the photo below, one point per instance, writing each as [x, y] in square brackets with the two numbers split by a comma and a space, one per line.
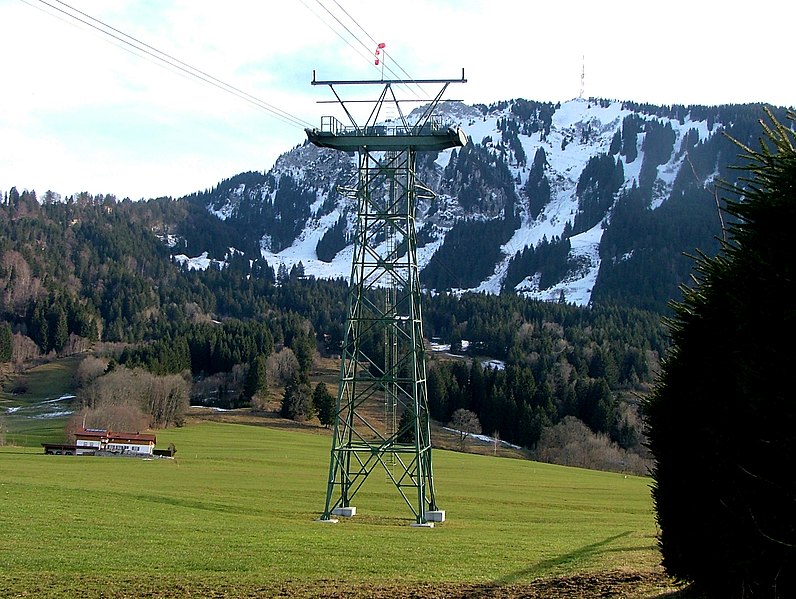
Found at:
[38, 418]
[234, 515]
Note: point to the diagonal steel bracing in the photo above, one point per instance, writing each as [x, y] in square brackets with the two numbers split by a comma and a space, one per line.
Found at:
[381, 416]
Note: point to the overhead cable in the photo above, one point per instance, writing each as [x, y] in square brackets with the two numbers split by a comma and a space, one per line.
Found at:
[368, 49]
[173, 62]
[337, 33]
[372, 39]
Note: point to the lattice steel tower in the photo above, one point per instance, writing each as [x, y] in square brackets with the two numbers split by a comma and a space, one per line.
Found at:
[381, 413]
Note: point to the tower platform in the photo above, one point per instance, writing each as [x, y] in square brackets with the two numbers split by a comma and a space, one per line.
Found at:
[431, 137]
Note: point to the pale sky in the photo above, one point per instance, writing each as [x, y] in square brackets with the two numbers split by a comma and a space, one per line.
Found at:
[80, 111]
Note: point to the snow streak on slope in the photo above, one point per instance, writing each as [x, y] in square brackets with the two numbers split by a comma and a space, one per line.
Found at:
[576, 288]
[579, 131]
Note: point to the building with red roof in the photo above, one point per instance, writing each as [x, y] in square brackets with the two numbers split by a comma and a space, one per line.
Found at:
[93, 441]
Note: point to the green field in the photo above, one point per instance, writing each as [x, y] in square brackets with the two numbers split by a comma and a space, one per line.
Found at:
[38, 415]
[235, 514]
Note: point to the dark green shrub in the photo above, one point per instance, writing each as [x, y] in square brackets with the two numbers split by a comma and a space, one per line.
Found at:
[722, 419]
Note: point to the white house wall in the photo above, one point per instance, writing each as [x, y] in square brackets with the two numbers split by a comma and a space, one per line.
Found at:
[129, 447]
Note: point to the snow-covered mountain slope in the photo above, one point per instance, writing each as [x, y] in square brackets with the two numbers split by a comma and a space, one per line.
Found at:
[579, 131]
[553, 175]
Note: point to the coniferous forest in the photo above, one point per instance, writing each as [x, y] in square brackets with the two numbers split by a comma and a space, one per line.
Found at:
[92, 275]
[91, 271]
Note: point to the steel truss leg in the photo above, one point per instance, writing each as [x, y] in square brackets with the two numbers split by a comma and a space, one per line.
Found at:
[381, 413]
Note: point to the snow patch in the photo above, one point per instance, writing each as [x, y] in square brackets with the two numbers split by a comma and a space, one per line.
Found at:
[576, 288]
[170, 240]
[446, 347]
[201, 262]
[48, 415]
[223, 213]
[494, 364]
[484, 438]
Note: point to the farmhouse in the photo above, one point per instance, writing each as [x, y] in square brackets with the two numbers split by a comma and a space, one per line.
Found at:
[95, 441]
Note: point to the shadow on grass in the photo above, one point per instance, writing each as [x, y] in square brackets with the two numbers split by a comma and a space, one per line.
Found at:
[180, 502]
[539, 568]
[578, 554]
[194, 504]
[687, 592]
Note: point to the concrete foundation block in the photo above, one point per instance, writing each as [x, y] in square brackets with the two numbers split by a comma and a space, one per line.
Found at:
[435, 516]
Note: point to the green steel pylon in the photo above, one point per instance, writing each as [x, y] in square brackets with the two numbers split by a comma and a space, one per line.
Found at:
[381, 414]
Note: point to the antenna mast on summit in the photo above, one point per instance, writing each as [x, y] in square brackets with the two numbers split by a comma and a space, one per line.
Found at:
[582, 77]
[381, 415]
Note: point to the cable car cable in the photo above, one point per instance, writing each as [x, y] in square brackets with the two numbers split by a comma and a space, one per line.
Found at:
[175, 63]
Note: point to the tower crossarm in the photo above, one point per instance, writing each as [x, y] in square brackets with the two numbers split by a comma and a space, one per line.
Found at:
[427, 133]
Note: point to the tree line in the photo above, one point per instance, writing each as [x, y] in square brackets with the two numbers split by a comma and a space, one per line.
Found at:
[233, 332]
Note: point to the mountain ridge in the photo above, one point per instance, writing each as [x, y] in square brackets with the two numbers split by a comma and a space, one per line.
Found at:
[551, 172]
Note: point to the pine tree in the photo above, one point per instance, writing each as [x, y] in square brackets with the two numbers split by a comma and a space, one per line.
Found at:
[406, 428]
[324, 404]
[257, 377]
[616, 143]
[332, 241]
[538, 187]
[39, 327]
[282, 276]
[304, 347]
[721, 418]
[297, 400]
[6, 342]
[58, 328]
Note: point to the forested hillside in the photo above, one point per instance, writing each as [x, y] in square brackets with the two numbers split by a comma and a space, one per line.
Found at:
[589, 201]
[236, 289]
[91, 271]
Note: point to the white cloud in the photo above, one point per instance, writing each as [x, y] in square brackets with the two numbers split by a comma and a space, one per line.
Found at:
[82, 113]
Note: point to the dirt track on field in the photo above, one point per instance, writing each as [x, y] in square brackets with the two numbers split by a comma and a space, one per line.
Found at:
[625, 585]
[604, 585]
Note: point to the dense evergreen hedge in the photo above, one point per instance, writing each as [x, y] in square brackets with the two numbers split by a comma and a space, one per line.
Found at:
[722, 418]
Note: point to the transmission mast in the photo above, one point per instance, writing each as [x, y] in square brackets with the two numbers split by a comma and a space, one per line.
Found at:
[381, 414]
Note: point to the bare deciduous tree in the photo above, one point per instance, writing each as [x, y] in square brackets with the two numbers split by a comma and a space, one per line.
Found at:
[115, 388]
[75, 345]
[282, 366]
[163, 399]
[166, 398]
[89, 369]
[17, 281]
[465, 423]
[572, 443]
[118, 417]
[23, 349]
